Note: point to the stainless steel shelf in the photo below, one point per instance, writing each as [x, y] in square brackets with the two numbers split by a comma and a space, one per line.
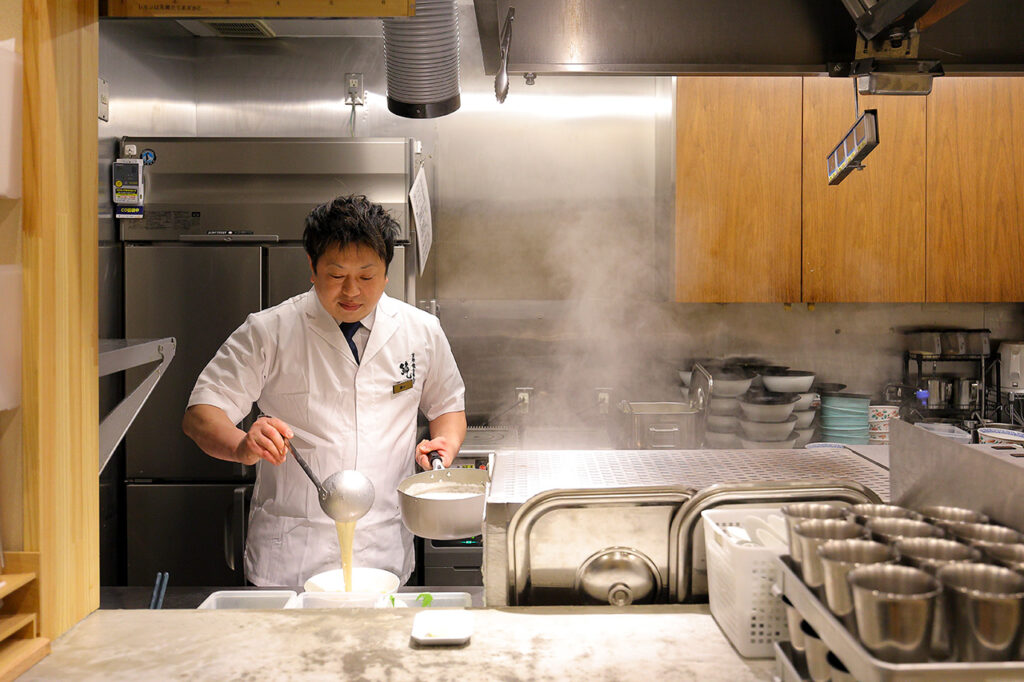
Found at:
[117, 355]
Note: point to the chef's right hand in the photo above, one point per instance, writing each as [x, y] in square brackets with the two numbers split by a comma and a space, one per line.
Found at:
[264, 440]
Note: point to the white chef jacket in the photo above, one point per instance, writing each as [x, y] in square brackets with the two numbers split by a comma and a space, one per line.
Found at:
[294, 362]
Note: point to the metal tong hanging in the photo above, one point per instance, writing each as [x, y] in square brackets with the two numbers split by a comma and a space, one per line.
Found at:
[501, 79]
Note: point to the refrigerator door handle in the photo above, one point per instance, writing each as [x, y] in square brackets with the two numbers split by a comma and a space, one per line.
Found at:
[225, 236]
[234, 530]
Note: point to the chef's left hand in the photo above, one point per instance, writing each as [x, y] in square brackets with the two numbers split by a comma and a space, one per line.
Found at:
[444, 448]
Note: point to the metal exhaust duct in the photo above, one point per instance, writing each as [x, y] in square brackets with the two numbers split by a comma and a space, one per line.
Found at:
[421, 57]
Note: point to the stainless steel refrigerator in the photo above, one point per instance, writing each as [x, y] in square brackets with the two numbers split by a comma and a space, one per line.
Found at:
[220, 238]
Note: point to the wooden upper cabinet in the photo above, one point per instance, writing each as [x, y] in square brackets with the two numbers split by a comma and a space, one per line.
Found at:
[863, 239]
[976, 189]
[737, 189]
[205, 9]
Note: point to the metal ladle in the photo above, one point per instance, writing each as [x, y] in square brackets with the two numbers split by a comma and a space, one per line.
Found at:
[344, 496]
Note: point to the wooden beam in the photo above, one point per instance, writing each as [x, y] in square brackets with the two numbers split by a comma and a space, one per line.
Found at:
[209, 9]
[59, 256]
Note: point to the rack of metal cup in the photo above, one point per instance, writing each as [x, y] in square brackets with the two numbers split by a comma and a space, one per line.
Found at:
[878, 592]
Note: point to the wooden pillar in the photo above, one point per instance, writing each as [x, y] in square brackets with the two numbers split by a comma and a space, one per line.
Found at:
[59, 255]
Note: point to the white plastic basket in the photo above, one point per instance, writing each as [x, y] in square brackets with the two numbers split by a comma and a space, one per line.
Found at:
[740, 578]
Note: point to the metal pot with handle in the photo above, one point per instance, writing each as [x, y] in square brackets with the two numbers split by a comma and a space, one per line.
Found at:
[444, 504]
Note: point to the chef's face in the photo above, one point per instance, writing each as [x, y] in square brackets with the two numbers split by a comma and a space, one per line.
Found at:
[349, 281]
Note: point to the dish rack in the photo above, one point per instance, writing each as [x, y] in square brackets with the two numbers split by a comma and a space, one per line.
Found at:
[862, 665]
[740, 578]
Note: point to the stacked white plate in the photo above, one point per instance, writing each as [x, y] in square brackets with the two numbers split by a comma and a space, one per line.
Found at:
[879, 417]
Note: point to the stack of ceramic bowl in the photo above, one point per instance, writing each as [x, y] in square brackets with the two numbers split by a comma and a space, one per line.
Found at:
[777, 381]
[767, 420]
[723, 424]
[878, 423]
[844, 418]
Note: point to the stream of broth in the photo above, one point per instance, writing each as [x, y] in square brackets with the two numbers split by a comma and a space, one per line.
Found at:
[346, 532]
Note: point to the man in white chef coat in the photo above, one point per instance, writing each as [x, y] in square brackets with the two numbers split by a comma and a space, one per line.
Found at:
[343, 371]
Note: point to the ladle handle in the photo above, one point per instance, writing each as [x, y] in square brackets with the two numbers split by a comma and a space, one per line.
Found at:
[305, 467]
[436, 461]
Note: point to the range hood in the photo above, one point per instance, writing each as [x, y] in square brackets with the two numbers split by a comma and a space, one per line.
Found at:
[729, 36]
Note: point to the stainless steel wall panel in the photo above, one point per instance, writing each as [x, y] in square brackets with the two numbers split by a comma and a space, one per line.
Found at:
[265, 186]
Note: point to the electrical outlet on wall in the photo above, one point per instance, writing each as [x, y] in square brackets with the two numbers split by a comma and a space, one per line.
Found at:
[354, 92]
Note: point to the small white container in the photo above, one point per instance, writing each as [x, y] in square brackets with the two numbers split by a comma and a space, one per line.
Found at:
[947, 431]
[249, 599]
[438, 600]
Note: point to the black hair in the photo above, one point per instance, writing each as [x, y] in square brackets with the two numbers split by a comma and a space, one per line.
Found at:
[350, 220]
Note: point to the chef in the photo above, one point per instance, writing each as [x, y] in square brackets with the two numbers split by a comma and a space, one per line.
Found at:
[342, 371]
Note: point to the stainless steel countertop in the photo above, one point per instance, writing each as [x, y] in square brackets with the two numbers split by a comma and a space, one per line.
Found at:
[677, 642]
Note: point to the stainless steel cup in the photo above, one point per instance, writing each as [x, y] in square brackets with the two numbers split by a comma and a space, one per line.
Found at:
[983, 534]
[817, 654]
[793, 620]
[837, 670]
[1009, 555]
[839, 557]
[895, 607]
[937, 513]
[929, 555]
[811, 534]
[889, 530]
[860, 513]
[801, 511]
[986, 605]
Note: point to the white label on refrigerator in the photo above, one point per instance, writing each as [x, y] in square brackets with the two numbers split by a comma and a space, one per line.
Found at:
[421, 213]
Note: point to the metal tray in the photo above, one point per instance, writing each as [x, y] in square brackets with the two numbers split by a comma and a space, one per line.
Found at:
[861, 664]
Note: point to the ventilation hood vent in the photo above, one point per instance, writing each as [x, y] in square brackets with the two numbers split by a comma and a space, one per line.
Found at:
[730, 36]
[230, 28]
